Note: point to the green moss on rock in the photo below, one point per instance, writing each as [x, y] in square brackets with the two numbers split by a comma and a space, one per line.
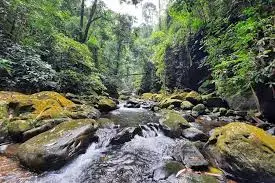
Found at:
[245, 151]
[51, 149]
[106, 104]
[194, 97]
[186, 105]
[174, 120]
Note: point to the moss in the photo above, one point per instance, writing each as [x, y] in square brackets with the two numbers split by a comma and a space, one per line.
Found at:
[106, 104]
[186, 105]
[214, 170]
[158, 97]
[3, 109]
[19, 126]
[43, 105]
[52, 135]
[244, 146]
[245, 133]
[147, 96]
[173, 167]
[173, 120]
[179, 96]
[200, 108]
[194, 178]
[55, 96]
[193, 97]
[104, 122]
[168, 102]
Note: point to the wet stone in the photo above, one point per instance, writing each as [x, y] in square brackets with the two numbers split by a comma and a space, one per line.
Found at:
[190, 156]
[194, 134]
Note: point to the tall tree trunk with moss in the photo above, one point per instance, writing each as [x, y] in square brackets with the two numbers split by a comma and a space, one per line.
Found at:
[83, 35]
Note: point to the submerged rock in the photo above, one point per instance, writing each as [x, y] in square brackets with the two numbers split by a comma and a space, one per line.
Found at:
[53, 148]
[126, 135]
[244, 151]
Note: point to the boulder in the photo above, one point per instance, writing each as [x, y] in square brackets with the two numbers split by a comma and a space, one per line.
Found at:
[179, 96]
[186, 105]
[190, 156]
[43, 105]
[168, 102]
[174, 123]
[223, 111]
[132, 104]
[200, 108]
[85, 111]
[245, 151]
[193, 97]
[147, 96]
[53, 148]
[105, 123]
[106, 104]
[188, 117]
[194, 134]
[126, 135]
[216, 102]
[196, 178]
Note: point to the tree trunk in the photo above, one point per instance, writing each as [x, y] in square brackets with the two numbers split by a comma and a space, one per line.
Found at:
[82, 9]
[90, 21]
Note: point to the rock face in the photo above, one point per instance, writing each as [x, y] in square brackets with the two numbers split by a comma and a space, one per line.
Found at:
[244, 151]
[53, 148]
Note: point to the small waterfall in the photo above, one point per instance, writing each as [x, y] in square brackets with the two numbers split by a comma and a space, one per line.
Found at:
[73, 172]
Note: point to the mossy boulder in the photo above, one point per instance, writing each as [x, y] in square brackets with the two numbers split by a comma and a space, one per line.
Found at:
[200, 109]
[244, 151]
[165, 103]
[194, 97]
[179, 96]
[197, 178]
[43, 105]
[53, 148]
[158, 97]
[106, 104]
[175, 123]
[147, 96]
[186, 105]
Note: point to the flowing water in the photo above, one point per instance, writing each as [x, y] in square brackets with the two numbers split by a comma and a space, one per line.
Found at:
[137, 161]
[132, 162]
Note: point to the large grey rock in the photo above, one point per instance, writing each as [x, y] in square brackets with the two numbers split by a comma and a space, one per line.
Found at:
[190, 156]
[194, 134]
[53, 148]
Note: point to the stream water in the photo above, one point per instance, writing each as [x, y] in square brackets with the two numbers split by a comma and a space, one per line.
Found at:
[137, 161]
